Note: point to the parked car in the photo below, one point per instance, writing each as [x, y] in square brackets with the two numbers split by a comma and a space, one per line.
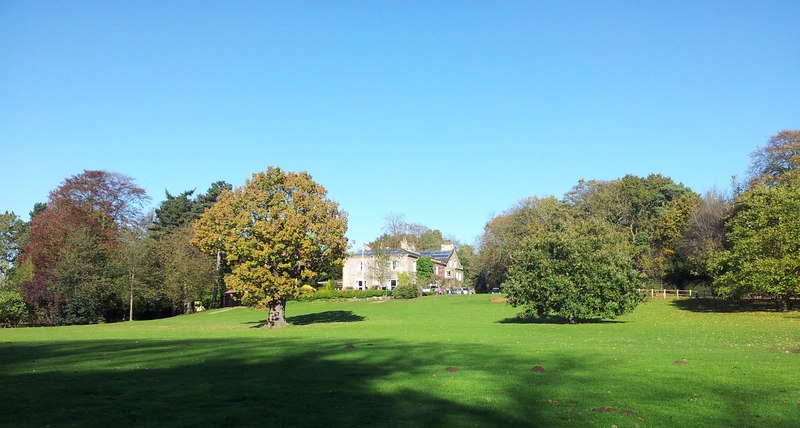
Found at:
[430, 288]
[462, 290]
[495, 291]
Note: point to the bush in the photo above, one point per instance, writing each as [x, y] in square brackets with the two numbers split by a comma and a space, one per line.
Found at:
[406, 291]
[12, 308]
[575, 269]
[306, 292]
[325, 294]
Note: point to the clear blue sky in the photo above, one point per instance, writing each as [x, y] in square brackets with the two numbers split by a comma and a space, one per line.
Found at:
[447, 112]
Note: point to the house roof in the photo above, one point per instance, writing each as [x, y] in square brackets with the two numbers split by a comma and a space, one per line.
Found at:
[391, 251]
[442, 256]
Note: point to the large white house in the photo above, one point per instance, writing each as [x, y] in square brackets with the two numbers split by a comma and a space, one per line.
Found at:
[360, 272]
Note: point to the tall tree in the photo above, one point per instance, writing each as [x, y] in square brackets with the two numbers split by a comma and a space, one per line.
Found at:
[763, 246]
[278, 231]
[430, 240]
[778, 162]
[136, 265]
[188, 273]
[380, 266]
[396, 230]
[208, 199]
[174, 212]
[466, 254]
[705, 233]
[95, 204]
[177, 211]
[503, 237]
[645, 209]
[85, 281]
[12, 232]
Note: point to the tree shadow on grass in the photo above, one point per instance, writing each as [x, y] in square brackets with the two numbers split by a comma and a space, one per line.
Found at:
[726, 306]
[325, 317]
[238, 382]
[316, 318]
[310, 381]
[553, 320]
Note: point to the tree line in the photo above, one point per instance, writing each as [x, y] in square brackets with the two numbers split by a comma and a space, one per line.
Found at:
[90, 254]
[585, 254]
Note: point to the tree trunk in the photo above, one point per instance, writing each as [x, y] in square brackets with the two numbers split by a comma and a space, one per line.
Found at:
[783, 304]
[217, 280]
[277, 314]
[130, 315]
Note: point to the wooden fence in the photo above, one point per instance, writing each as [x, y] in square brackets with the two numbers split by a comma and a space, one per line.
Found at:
[664, 293]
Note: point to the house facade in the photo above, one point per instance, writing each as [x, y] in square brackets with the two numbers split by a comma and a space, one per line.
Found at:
[382, 269]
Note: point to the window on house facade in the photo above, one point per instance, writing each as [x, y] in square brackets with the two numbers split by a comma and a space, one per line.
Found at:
[361, 266]
[392, 283]
[394, 264]
[448, 274]
[360, 284]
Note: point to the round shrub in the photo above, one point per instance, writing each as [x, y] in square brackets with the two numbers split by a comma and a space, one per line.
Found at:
[406, 291]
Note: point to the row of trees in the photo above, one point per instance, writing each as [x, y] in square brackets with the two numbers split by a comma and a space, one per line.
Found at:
[91, 255]
[583, 256]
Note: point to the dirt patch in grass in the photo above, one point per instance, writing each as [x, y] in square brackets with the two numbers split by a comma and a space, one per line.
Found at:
[451, 369]
[537, 369]
[681, 362]
[498, 299]
[349, 346]
[795, 351]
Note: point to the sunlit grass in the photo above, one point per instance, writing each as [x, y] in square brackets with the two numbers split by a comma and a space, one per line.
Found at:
[370, 363]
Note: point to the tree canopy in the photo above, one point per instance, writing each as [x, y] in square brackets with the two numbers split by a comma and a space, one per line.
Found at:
[763, 246]
[574, 268]
[278, 231]
[12, 231]
[778, 162]
[70, 243]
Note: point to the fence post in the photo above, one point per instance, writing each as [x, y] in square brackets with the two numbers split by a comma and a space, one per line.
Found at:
[664, 292]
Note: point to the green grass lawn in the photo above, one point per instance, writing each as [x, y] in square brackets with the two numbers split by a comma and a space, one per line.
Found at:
[435, 361]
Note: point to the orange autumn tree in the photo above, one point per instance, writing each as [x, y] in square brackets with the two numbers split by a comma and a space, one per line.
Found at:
[278, 232]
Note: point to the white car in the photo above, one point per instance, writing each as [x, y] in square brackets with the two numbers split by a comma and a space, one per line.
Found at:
[430, 288]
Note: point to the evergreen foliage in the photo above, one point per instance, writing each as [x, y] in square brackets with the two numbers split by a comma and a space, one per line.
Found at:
[576, 269]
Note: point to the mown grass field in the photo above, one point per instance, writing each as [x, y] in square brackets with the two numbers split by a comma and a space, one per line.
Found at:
[436, 361]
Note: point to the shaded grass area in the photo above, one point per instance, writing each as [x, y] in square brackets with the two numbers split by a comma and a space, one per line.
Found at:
[441, 361]
[316, 318]
[522, 319]
[723, 305]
